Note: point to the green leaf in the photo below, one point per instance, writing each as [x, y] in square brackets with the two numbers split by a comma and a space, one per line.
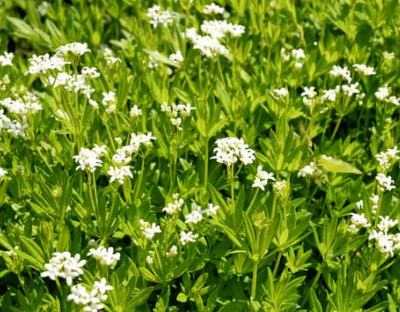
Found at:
[337, 166]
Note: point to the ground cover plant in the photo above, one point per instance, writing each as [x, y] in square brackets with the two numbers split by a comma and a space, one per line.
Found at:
[185, 155]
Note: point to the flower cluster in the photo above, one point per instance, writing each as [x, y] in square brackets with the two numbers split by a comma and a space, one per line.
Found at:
[386, 183]
[383, 94]
[341, 72]
[92, 301]
[43, 63]
[177, 58]
[262, 177]
[15, 127]
[175, 206]
[230, 150]
[197, 213]
[385, 242]
[385, 158]
[158, 16]
[105, 256]
[297, 55]
[188, 237]
[310, 170]
[149, 230]
[6, 59]
[22, 105]
[177, 112]
[212, 9]
[65, 266]
[89, 159]
[358, 221]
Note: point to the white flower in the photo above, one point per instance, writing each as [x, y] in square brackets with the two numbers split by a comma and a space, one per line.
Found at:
[386, 224]
[211, 210]
[119, 174]
[262, 178]
[281, 93]
[149, 230]
[209, 46]
[104, 256]
[230, 150]
[385, 158]
[89, 159]
[64, 266]
[386, 183]
[175, 206]
[135, 112]
[75, 48]
[298, 54]
[213, 9]
[350, 89]
[195, 216]
[79, 295]
[330, 94]
[157, 16]
[43, 7]
[188, 237]
[388, 56]
[173, 251]
[341, 72]
[359, 220]
[309, 170]
[90, 72]
[42, 63]
[149, 260]
[308, 95]
[177, 57]
[280, 187]
[364, 70]
[383, 93]
[6, 59]
[108, 98]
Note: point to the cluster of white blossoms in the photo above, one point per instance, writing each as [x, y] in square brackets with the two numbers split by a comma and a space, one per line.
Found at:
[188, 237]
[281, 93]
[89, 159]
[22, 105]
[75, 48]
[177, 112]
[41, 64]
[358, 221]
[262, 178]
[386, 183]
[175, 205]
[3, 173]
[384, 241]
[374, 200]
[177, 57]
[309, 96]
[108, 101]
[197, 213]
[158, 16]
[4, 82]
[364, 70]
[105, 256]
[310, 170]
[230, 150]
[91, 301]
[123, 156]
[297, 55]
[385, 159]
[149, 230]
[281, 188]
[135, 112]
[209, 44]
[6, 58]
[15, 127]
[341, 72]
[383, 94]
[212, 9]
[111, 60]
[65, 266]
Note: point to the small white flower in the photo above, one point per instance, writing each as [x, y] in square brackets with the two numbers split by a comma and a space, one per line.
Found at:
[119, 174]
[104, 256]
[341, 72]
[364, 70]
[89, 159]
[230, 150]
[281, 93]
[195, 216]
[175, 206]
[386, 183]
[213, 9]
[173, 251]
[149, 260]
[177, 57]
[6, 59]
[149, 230]
[188, 237]
[262, 178]
[383, 93]
[157, 16]
[298, 54]
[211, 210]
[75, 48]
[135, 112]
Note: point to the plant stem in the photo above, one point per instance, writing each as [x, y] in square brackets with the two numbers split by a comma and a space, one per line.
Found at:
[232, 194]
[254, 281]
[250, 208]
[278, 260]
[206, 156]
[139, 183]
[336, 127]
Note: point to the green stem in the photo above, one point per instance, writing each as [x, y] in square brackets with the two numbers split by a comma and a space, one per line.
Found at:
[250, 208]
[336, 127]
[254, 281]
[232, 180]
[140, 180]
[278, 260]
[206, 156]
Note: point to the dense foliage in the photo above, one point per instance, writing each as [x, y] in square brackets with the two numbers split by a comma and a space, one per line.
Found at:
[189, 156]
